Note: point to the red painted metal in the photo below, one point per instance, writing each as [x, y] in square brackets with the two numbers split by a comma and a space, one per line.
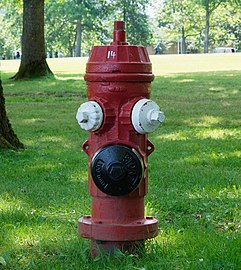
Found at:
[117, 76]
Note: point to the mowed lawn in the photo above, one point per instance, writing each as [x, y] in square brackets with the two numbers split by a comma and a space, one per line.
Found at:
[194, 172]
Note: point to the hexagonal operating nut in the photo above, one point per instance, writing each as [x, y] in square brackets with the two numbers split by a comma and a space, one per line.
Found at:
[90, 116]
[83, 117]
[116, 170]
[156, 116]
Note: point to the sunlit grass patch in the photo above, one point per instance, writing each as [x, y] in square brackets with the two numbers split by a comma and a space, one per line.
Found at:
[183, 135]
[219, 133]
[204, 121]
[178, 136]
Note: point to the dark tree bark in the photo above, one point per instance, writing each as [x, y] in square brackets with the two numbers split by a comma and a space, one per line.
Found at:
[33, 61]
[8, 138]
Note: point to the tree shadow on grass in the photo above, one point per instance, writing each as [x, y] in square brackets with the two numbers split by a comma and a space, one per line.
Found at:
[61, 85]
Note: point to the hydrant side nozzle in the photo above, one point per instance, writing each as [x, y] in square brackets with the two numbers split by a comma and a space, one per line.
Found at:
[146, 116]
[90, 116]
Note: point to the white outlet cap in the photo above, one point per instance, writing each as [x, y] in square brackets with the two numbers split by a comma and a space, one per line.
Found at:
[90, 116]
[146, 116]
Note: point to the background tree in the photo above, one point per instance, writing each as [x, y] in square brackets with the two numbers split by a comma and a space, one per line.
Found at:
[185, 19]
[226, 26]
[175, 20]
[10, 30]
[180, 20]
[59, 29]
[33, 61]
[209, 6]
[73, 25]
[8, 138]
[133, 12]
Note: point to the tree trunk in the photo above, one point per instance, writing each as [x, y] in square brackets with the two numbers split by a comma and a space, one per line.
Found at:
[206, 32]
[124, 11]
[78, 39]
[183, 41]
[8, 138]
[33, 61]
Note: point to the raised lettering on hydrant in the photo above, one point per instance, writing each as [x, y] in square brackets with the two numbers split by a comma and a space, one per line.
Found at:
[118, 116]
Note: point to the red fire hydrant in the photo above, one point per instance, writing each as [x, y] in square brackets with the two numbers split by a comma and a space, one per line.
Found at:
[118, 116]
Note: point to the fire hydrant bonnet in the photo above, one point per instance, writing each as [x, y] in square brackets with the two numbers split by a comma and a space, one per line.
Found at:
[119, 61]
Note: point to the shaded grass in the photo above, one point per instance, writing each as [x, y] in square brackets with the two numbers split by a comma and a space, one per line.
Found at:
[194, 176]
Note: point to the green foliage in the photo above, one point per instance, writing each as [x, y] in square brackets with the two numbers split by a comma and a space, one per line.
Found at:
[210, 5]
[224, 18]
[133, 12]
[180, 21]
[77, 25]
[194, 172]
[10, 31]
[226, 29]
[59, 32]
[62, 18]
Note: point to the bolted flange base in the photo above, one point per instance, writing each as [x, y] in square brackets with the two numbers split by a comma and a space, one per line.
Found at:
[125, 237]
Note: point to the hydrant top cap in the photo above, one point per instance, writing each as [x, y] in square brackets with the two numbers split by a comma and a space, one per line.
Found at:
[119, 25]
[119, 57]
[119, 34]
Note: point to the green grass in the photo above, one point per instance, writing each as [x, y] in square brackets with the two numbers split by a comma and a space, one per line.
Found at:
[194, 172]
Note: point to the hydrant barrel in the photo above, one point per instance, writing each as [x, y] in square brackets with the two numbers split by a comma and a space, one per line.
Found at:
[118, 78]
